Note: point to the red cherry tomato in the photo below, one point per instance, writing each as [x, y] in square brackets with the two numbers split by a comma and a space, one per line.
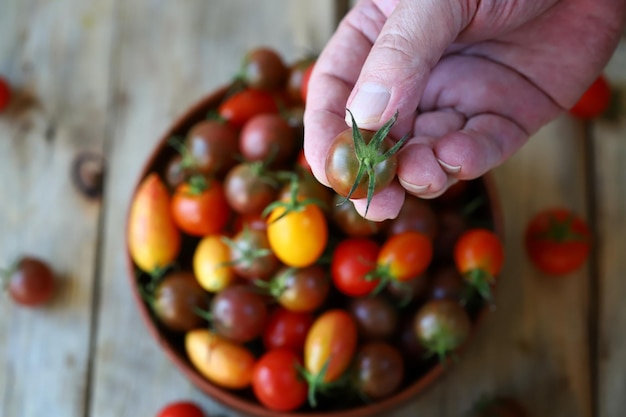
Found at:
[31, 282]
[594, 101]
[353, 259]
[287, 329]
[181, 409]
[243, 105]
[557, 241]
[200, 213]
[5, 94]
[276, 382]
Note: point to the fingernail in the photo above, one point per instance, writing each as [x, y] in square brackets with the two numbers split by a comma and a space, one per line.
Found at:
[412, 188]
[450, 169]
[368, 104]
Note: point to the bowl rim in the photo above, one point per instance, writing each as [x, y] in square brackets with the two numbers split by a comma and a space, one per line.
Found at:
[230, 398]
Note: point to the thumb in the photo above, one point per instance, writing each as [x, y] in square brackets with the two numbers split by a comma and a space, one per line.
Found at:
[410, 43]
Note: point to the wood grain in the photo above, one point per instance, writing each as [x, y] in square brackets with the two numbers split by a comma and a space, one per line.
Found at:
[59, 69]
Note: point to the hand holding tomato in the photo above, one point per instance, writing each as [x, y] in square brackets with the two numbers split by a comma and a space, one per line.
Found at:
[468, 108]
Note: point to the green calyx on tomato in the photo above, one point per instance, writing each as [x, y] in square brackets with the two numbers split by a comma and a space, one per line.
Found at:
[561, 230]
[197, 182]
[315, 382]
[368, 155]
[293, 203]
[479, 281]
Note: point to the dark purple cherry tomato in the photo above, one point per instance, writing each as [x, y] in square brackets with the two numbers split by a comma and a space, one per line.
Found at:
[416, 215]
[446, 284]
[175, 172]
[177, 300]
[30, 282]
[212, 146]
[251, 255]
[452, 224]
[239, 313]
[264, 68]
[296, 77]
[378, 370]
[442, 326]
[267, 137]
[375, 317]
[301, 289]
[350, 221]
[248, 189]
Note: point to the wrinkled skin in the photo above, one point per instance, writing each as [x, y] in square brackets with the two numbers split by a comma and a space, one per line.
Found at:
[484, 76]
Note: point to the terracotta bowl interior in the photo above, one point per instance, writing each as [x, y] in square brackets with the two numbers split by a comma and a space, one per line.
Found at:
[244, 401]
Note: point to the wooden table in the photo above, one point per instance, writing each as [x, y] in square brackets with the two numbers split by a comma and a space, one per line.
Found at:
[108, 76]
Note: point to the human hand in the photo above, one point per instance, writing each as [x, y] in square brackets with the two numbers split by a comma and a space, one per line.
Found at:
[483, 76]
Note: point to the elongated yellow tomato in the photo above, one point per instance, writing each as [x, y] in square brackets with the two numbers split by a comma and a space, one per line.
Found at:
[330, 345]
[153, 238]
[210, 263]
[299, 237]
[224, 363]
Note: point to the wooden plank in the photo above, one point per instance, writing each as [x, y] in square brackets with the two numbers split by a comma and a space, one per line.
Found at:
[167, 57]
[56, 55]
[610, 159]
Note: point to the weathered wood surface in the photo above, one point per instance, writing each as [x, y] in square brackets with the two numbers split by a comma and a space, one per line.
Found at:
[110, 75]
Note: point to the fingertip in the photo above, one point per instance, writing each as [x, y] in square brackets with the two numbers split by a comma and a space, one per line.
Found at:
[385, 204]
[419, 172]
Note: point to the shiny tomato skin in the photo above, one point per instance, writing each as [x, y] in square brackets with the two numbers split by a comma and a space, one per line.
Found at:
[5, 94]
[330, 344]
[239, 313]
[224, 363]
[251, 255]
[302, 289]
[287, 330]
[154, 240]
[31, 282]
[352, 260]
[479, 249]
[203, 213]
[267, 137]
[248, 190]
[276, 382]
[211, 263]
[263, 68]
[181, 409]
[342, 165]
[242, 106]
[299, 237]
[407, 255]
[176, 299]
[594, 101]
[212, 146]
[557, 241]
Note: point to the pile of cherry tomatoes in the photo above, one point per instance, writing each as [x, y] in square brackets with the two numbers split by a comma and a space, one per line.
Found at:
[273, 285]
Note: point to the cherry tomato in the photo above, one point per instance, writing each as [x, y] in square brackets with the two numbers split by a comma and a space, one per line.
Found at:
[276, 382]
[5, 94]
[267, 137]
[248, 188]
[447, 284]
[224, 363]
[200, 212]
[378, 369]
[349, 220]
[329, 349]
[296, 78]
[251, 255]
[181, 409]
[557, 241]
[407, 292]
[301, 289]
[245, 104]
[176, 299]
[154, 240]
[263, 68]
[239, 313]
[30, 281]
[405, 256]
[309, 187]
[176, 172]
[211, 147]
[287, 330]
[211, 263]
[479, 255]
[594, 101]
[442, 326]
[417, 215]
[374, 317]
[498, 407]
[352, 262]
[297, 233]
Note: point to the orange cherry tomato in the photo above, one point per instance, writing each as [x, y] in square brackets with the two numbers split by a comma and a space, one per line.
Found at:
[224, 363]
[406, 255]
[153, 239]
[200, 212]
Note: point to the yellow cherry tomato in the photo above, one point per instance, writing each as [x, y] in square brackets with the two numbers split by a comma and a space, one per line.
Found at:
[297, 235]
[211, 263]
[153, 238]
[223, 362]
